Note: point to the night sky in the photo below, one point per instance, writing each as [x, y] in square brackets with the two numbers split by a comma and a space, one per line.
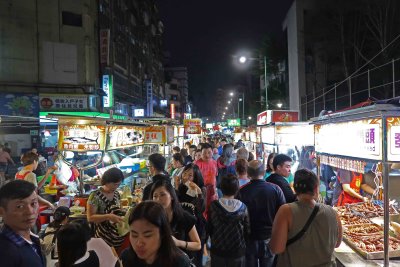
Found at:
[203, 36]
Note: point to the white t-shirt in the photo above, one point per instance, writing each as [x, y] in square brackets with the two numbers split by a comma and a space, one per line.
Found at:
[103, 251]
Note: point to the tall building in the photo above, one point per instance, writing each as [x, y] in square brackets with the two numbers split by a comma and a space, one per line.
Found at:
[131, 53]
[177, 90]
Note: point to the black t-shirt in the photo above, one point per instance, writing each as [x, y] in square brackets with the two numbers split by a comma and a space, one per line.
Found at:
[284, 185]
[181, 227]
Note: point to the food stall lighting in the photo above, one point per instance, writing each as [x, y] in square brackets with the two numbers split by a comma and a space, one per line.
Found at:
[279, 105]
[69, 154]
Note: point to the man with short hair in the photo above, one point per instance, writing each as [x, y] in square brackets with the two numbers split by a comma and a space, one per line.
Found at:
[157, 171]
[242, 153]
[263, 201]
[19, 206]
[281, 165]
[209, 170]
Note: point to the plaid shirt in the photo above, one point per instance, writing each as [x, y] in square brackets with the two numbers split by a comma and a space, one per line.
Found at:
[20, 241]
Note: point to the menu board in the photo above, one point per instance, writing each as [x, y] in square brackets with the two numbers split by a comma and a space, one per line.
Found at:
[124, 136]
[393, 135]
[192, 126]
[361, 138]
[155, 135]
[81, 137]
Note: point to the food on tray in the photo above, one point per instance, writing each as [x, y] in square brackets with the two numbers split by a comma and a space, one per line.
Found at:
[343, 210]
[363, 229]
[352, 219]
[374, 243]
[370, 209]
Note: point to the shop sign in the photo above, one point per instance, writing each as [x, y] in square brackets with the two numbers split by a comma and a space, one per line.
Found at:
[268, 135]
[187, 116]
[262, 118]
[19, 104]
[63, 102]
[81, 137]
[172, 111]
[104, 46]
[393, 135]
[360, 138]
[139, 112]
[155, 135]
[170, 134]
[124, 136]
[209, 125]
[192, 126]
[163, 103]
[345, 164]
[282, 116]
[295, 135]
[108, 89]
[233, 123]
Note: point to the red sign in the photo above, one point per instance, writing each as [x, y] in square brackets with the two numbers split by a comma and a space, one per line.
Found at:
[172, 110]
[192, 126]
[282, 116]
[262, 118]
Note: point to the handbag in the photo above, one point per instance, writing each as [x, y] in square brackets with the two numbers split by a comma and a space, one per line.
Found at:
[305, 227]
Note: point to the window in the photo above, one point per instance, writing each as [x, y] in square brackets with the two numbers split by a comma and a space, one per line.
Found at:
[71, 19]
[174, 97]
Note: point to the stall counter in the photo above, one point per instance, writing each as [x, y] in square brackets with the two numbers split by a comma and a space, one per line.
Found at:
[346, 256]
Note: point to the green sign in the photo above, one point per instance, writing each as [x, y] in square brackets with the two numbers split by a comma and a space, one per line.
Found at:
[234, 122]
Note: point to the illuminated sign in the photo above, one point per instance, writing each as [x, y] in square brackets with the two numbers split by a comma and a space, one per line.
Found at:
[268, 135]
[163, 103]
[262, 118]
[138, 112]
[289, 134]
[63, 102]
[234, 122]
[209, 125]
[108, 89]
[360, 138]
[192, 126]
[393, 128]
[81, 137]
[124, 136]
[155, 135]
[172, 110]
[187, 116]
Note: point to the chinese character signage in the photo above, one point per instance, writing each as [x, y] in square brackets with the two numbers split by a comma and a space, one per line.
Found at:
[104, 46]
[124, 136]
[81, 137]
[345, 164]
[282, 116]
[108, 89]
[262, 118]
[63, 102]
[393, 135]
[172, 111]
[235, 122]
[289, 133]
[155, 135]
[192, 126]
[360, 138]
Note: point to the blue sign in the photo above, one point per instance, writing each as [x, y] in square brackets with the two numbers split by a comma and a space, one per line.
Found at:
[19, 104]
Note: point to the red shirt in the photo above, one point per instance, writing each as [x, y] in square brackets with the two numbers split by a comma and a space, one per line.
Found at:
[209, 170]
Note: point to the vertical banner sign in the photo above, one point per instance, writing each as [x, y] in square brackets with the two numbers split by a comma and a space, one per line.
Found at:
[149, 92]
[108, 89]
[104, 46]
[172, 110]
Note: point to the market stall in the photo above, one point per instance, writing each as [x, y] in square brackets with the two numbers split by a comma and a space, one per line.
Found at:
[366, 142]
[192, 130]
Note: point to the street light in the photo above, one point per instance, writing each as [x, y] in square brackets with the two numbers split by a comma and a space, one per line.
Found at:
[231, 94]
[229, 102]
[243, 59]
[249, 117]
[279, 105]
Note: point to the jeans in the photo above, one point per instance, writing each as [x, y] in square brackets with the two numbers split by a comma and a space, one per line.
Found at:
[258, 254]
[217, 261]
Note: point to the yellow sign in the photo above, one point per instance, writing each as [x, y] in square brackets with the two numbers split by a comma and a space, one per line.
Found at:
[156, 135]
[124, 136]
[192, 126]
[81, 137]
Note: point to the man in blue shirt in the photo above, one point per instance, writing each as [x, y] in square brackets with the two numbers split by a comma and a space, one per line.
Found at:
[19, 205]
[263, 200]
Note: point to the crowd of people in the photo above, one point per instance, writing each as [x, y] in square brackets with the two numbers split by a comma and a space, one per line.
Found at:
[212, 201]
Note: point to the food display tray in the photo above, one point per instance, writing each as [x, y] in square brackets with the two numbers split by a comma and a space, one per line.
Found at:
[371, 255]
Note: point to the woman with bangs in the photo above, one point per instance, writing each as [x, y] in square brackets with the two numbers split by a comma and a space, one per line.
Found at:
[152, 244]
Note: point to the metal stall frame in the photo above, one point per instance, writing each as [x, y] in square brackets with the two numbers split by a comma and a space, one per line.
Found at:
[377, 111]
